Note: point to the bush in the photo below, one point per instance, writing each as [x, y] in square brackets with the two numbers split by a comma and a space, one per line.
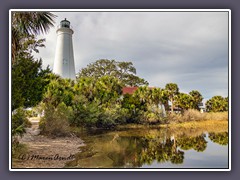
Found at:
[112, 116]
[153, 115]
[193, 115]
[19, 122]
[18, 149]
[56, 120]
[96, 114]
[85, 113]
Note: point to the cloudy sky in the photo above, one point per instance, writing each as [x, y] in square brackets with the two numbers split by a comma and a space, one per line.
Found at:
[187, 48]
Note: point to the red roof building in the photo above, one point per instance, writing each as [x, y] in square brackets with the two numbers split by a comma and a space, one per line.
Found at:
[129, 90]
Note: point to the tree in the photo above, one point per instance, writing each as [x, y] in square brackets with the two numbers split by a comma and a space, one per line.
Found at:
[217, 104]
[109, 89]
[59, 90]
[172, 90]
[26, 25]
[142, 94]
[97, 102]
[124, 71]
[184, 101]
[28, 82]
[197, 98]
[28, 77]
[151, 100]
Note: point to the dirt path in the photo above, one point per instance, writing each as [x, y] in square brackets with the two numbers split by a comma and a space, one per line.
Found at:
[44, 152]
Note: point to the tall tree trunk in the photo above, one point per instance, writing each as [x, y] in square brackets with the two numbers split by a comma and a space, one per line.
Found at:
[172, 105]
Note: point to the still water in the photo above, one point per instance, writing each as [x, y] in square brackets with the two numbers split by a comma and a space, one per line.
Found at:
[152, 148]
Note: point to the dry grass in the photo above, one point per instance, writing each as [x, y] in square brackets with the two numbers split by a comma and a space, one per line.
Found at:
[216, 116]
[198, 127]
[195, 115]
[193, 128]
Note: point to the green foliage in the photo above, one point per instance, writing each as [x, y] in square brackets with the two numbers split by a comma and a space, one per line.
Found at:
[184, 101]
[217, 104]
[28, 77]
[95, 114]
[85, 113]
[151, 100]
[56, 120]
[112, 115]
[197, 98]
[19, 122]
[124, 71]
[28, 82]
[152, 117]
[18, 149]
[97, 102]
[219, 138]
[25, 27]
[133, 108]
[172, 91]
[59, 90]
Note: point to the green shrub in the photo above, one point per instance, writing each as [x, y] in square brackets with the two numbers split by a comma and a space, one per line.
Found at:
[18, 149]
[19, 122]
[56, 120]
[85, 113]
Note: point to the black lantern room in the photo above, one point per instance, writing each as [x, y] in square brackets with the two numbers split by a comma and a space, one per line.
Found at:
[65, 23]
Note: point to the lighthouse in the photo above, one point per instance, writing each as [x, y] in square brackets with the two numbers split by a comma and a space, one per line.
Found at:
[64, 59]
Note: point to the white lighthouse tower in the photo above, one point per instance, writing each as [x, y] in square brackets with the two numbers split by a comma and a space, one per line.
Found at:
[64, 59]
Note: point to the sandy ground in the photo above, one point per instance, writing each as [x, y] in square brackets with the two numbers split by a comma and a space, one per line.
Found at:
[44, 152]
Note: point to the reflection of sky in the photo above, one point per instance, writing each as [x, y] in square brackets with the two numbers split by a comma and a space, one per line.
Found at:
[214, 156]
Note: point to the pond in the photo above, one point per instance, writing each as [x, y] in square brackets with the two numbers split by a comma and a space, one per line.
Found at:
[153, 148]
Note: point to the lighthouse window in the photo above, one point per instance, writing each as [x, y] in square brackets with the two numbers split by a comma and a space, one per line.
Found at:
[65, 24]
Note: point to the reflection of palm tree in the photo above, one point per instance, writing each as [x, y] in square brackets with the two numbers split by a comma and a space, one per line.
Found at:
[177, 157]
[197, 143]
[220, 138]
[201, 144]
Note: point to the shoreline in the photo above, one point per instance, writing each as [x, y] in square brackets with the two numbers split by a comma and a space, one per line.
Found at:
[46, 152]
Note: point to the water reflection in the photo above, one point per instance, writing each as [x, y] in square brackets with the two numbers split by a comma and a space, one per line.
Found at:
[138, 148]
[220, 138]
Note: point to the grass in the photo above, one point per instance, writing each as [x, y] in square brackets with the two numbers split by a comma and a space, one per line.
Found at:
[195, 115]
[18, 149]
[191, 122]
[193, 128]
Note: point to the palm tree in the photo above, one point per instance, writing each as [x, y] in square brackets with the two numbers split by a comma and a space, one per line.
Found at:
[142, 94]
[217, 104]
[26, 24]
[184, 101]
[86, 86]
[197, 97]
[172, 90]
